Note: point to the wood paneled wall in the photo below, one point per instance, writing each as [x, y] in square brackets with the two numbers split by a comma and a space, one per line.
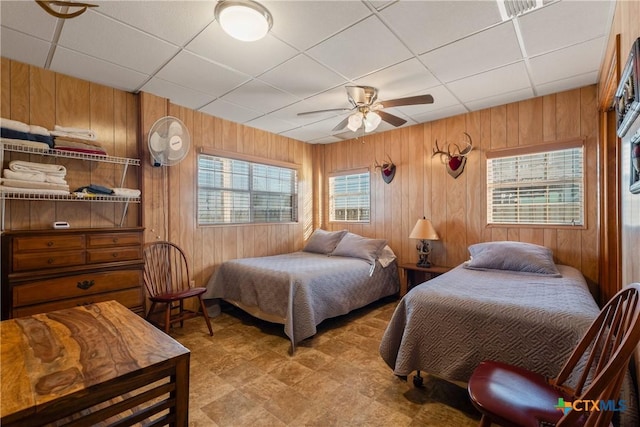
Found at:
[40, 97]
[169, 193]
[457, 207]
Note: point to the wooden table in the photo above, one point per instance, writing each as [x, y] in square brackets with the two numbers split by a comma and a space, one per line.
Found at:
[97, 363]
[415, 275]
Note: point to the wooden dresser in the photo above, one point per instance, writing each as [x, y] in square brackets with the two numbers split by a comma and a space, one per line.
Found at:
[94, 365]
[47, 270]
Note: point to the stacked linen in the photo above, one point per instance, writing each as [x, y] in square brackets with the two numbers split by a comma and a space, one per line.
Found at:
[34, 178]
[20, 133]
[77, 139]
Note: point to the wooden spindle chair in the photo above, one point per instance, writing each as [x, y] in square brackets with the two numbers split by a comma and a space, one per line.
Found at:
[167, 279]
[512, 396]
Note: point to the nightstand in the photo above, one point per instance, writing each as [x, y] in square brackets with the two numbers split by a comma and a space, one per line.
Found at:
[415, 275]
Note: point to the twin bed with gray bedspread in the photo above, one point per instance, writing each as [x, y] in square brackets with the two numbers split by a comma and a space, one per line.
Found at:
[302, 288]
[450, 324]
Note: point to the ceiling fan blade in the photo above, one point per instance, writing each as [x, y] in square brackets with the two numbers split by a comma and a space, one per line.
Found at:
[341, 125]
[410, 100]
[323, 111]
[390, 118]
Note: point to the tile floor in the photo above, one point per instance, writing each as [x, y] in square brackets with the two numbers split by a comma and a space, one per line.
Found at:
[245, 376]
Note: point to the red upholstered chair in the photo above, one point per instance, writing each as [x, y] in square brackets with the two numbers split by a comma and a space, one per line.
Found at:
[512, 396]
[166, 277]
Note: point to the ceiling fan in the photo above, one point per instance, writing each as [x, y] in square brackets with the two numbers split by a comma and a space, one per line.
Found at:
[367, 110]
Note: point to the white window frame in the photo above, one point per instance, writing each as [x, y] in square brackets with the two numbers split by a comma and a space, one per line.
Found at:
[353, 200]
[517, 196]
[230, 187]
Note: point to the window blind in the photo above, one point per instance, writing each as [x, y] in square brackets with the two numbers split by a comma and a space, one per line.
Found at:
[232, 191]
[349, 197]
[537, 188]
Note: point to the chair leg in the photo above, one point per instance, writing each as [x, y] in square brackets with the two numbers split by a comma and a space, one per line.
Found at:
[205, 314]
[151, 309]
[484, 421]
[167, 319]
[181, 313]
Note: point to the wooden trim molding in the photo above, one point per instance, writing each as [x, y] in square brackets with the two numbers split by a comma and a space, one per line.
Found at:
[535, 148]
[611, 74]
[248, 158]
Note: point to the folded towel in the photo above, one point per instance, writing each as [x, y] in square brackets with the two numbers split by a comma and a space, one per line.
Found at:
[126, 192]
[25, 176]
[14, 125]
[23, 166]
[64, 144]
[38, 130]
[64, 140]
[74, 132]
[54, 179]
[41, 191]
[94, 189]
[17, 183]
[27, 136]
[25, 143]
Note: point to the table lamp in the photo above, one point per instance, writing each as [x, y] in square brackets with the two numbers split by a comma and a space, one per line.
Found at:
[424, 232]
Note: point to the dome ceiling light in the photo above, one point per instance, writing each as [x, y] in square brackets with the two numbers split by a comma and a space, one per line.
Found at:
[245, 20]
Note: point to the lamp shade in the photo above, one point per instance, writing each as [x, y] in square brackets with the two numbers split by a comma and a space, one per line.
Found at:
[423, 230]
[244, 20]
[371, 121]
[355, 121]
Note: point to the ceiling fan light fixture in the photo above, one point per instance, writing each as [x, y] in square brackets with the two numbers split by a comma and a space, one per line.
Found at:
[355, 121]
[244, 20]
[371, 121]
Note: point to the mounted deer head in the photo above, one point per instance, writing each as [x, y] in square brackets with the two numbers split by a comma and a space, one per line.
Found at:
[455, 160]
[387, 169]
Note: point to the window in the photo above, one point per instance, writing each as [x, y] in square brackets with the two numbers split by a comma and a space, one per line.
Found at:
[536, 187]
[349, 197]
[232, 191]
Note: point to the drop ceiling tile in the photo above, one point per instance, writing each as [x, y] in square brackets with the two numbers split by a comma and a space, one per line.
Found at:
[271, 123]
[85, 67]
[196, 73]
[500, 99]
[174, 21]
[250, 58]
[290, 114]
[306, 23]
[259, 96]
[501, 80]
[325, 140]
[302, 77]
[24, 48]
[454, 110]
[426, 25]
[229, 111]
[28, 18]
[361, 49]
[179, 95]
[102, 37]
[565, 23]
[567, 84]
[313, 131]
[572, 61]
[463, 58]
[399, 79]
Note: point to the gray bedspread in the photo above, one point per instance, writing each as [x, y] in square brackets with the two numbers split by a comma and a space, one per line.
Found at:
[304, 288]
[448, 325]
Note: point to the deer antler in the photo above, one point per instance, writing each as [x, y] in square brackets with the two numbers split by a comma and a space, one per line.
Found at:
[469, 146]
[437, 150]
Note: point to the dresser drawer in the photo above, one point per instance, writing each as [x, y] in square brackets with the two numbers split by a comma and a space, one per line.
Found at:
[49, 259]
[130, 298]
[129, 253]
[80, 285]
[113, 239]
[48, 242]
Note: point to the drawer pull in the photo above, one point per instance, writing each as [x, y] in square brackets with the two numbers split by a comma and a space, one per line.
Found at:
[115, 240]
[86, 284]
[115, 254]
[50, 261]
[49, 243]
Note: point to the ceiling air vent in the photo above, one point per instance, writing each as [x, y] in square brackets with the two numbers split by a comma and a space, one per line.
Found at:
[509, 9]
